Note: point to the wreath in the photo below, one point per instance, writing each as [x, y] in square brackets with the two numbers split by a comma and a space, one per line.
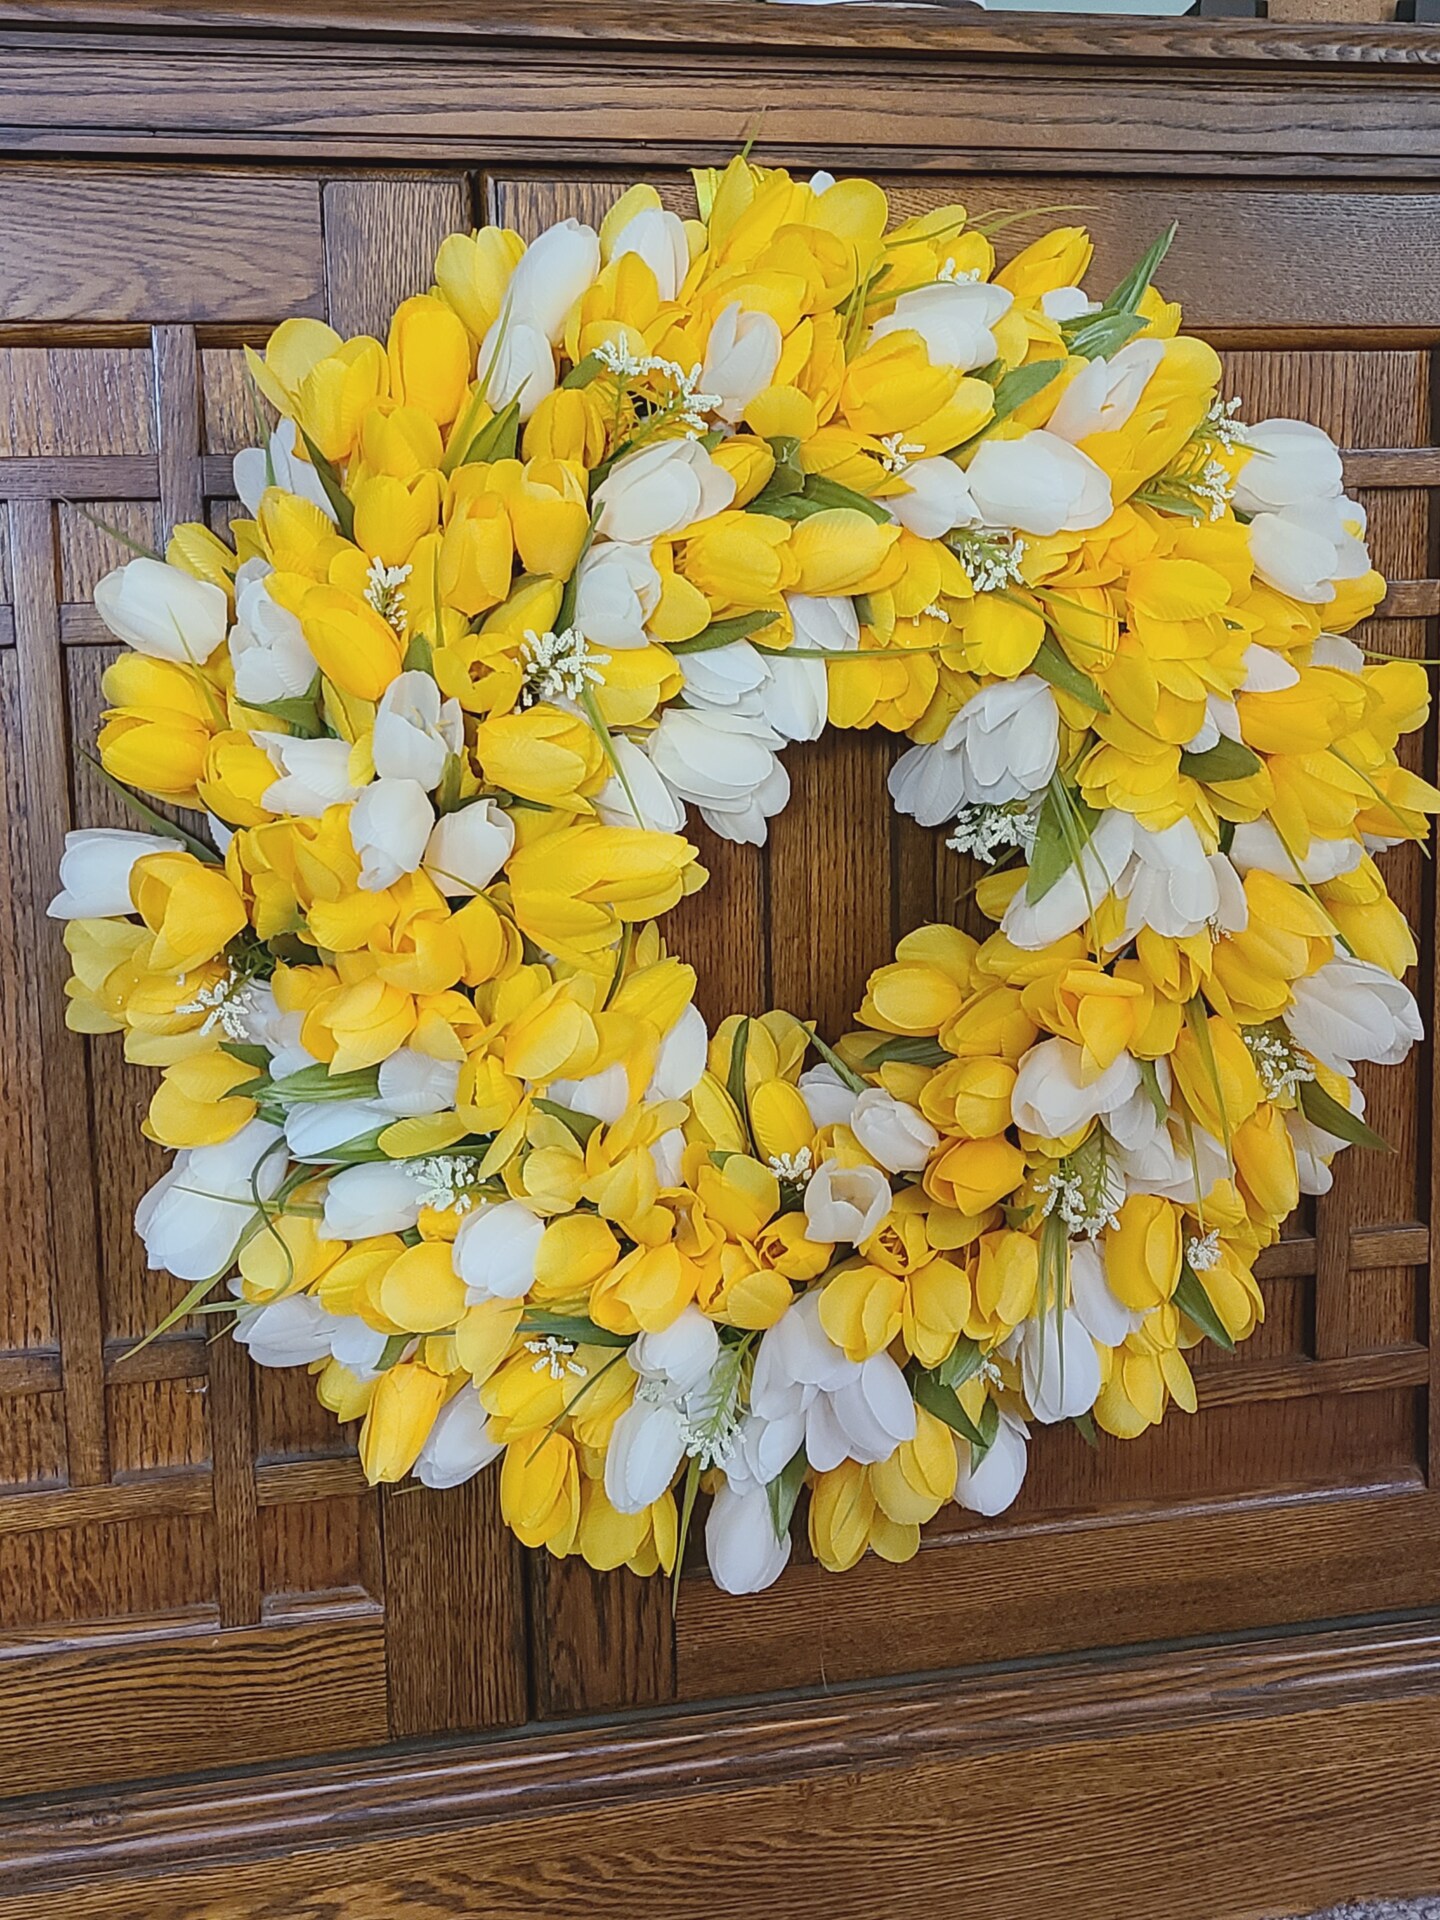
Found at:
[604, 525]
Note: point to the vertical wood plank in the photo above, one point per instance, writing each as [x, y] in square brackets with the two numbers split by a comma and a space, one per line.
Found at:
[232, 1443]
[177, 423]
[454, 1583]
[45, 746]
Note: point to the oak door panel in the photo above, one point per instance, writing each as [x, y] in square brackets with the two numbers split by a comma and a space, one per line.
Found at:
[1301, 1490]
[191, 1568]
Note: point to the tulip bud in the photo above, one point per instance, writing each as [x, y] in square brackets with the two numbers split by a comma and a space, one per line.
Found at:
[161, 611]
[402, 1412]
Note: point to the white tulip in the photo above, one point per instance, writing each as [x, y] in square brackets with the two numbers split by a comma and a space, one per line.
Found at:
[604, 1095]
[415, 731]
[747, 821]
[1008, 737]
[939, 499]
[95, 871]
[1104, 1317]
[467, 848]
[357, 1346]
[647, 1444]
[1290, 462]
[796, 1358]
[1222, 721]
[280, 465]
[865, 1419]
[268, 649]
[412, 1083]
[390, 826]
[795, 698]
[845, 1203]
[1352, 1010]
[1334, 650]
[1267, 671]
[313, 774]
[658, 237]
[659, 490]
[495, 1251]
[741, 356]
[681, 1059]
[728, 679]
[315, 1128]
[1172, 886]
[360, 1201]
[290, 1332]
[828, 622]
[1052, 1096]
[847, 1410]
[740, 1543]
[680, 1357]
[828, 1100]
[1305, 549]
[1315, 1148]
[953, 318]
[191, 1220]
[667, 1155]
[717, 760]
[642, 796]
[459, 1443]
[929, 782]
[1069, 903]
[1060, 1371]
[554, 271]
[991, 1487]
[1067, 303]
[892, 1132]
[1038, 483]
[1257, 847]
[517, 362]
[1105, 393]
[163, 611]
[618, 588]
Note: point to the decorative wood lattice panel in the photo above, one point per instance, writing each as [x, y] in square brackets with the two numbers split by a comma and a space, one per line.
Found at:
[163, 1495]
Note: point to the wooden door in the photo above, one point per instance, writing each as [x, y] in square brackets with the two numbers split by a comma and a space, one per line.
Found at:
[192, 1571]
[1302, 1490]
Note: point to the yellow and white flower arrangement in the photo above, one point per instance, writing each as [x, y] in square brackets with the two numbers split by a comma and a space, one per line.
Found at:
[603, 526]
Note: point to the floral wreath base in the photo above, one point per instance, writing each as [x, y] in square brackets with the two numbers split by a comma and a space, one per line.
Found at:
[606, 523]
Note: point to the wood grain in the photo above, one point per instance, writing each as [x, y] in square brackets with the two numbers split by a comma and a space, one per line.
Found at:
[93, 246]
[806, 1809]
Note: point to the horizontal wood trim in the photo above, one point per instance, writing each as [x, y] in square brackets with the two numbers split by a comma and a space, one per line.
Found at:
[796, 1808]
[24, 1371]
[1393, 467]
[1370, 1248]
[99, 476]
[1224, 1386]
[874, 27]
[92, 246]
[180, 1700]
[276, 1485]
[1001, 1590]
[447, 105]
[1410, 600]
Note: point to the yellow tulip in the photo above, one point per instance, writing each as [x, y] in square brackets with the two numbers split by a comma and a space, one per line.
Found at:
[353, 647]
[402, 1412]
[861, 1309]
[430, 358]
[540, 1491]
[1143, 1251]
[191, 908]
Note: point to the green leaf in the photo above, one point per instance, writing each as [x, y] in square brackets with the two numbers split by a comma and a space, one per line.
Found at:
[735, 1078]
[832, 1059]
[1127, 296]
[1325, 1112]
[153, 819]
[392, 1350]
[1017, 387]
[1101, 334]
[962, 1363]
[242, 1050]
[989, 1427]
[1061, 835]
[582, 1125]
[784, 1491]
[496, 440]
[1227, 760]
[301, 714]
[419, 654]
[1084, 1425]
[584, 371]
[318, 1083]
[363, 1151]
[941, 1401]
[687, 1514]
[1150, 1080]
[573, 1327]
[909, 1048]
[1194, 1302]
[827, 494]
[1054, 665]
[722, 633]
[329, 476]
